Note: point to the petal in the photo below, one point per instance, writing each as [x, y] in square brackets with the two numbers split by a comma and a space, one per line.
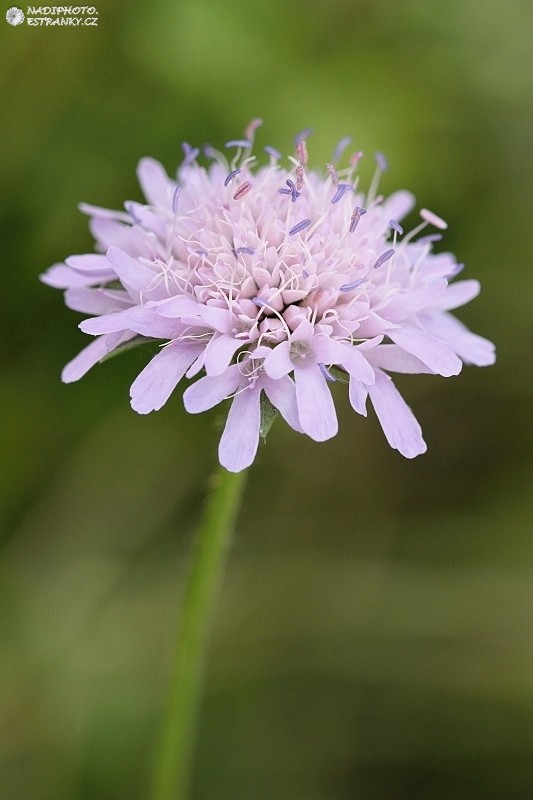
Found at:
[91, 264]
[155, 183]
[210, 391]
[91, 355]
[147, 322]
[62, 277]
[219, 352]
[403, 305]
[398, 205]
[458, 294]
[107, 323]
[331, 351]
[179, 306]
[316, 410]
[131, 272]
[473, 349]
[278, 363]
[96, 301]
[394, 358]
[431, 350]
[103, 213]
[396, 418]
[282, 395]
[154, 385]
[358, 393]
[238, 445]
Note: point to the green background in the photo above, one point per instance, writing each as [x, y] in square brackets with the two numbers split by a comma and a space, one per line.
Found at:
[373, 638]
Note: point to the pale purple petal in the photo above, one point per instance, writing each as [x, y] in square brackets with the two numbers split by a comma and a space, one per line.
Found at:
[316, 409]
[409, 302]
[473, 349]
[210, 391]
[282, 395]
[96, 301]
[432, 351]
[278, 362]
[459, 293]
[91, 264]
[106, 323]
[147, 322]
[62, 277]
[155, 183]
[358, 393]
[240, 439]
[154, 385]
[394, 358]
[219, 352]
[398, 205]
[132, 273]
[331, 351]
[91, 355]
[396, 418]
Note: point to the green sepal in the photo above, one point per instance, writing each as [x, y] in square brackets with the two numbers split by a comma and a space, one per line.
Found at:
[268, 415]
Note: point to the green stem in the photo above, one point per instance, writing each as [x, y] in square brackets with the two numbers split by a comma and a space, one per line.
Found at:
[173, 767]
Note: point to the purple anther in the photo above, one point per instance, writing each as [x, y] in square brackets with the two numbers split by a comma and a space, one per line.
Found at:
[258, 302]
[300, 226]
[381, 161]
[252, 127]
[301, 151]
[326, 373]
[295, 194]
[431, 237]
[210, 152]
[339, 194]
[348, 287]
[341, 147]
[231, 176]
[305, 273]
[395, 226]
[243, 189]
[300, 137]
[238, 143]
[299, 177]
[356, 216]
[384, 257]
[201, 252]
[272, 152]
[176, 199]
[190, 153]
[249, 250]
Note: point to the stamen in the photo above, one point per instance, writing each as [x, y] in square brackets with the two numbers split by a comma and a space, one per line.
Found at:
[341, 147]
[301, 151]
[238, 143]
[190, 153]
[333, 172]
[395, 226]
[433, 219]
[251, 128]
[201, 252]
[300, 226]
[356, 158]
[300, 175]
[339, 194]
[249, 250]
[272, 152]
[326, 373]
[305, 273]
[356, 216]
[231, 176]
[175, 199]
[300, 137]
[243, 189]
[348, 287]
[383, 257]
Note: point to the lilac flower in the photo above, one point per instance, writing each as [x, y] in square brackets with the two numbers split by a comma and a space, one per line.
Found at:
[261, 293]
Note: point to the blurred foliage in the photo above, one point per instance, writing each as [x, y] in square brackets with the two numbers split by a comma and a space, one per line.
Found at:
[373, 637]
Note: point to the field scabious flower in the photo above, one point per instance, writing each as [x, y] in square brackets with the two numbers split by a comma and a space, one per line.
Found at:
[271, 282]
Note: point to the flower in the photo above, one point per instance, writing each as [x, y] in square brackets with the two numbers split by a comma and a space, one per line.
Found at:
[274, 282]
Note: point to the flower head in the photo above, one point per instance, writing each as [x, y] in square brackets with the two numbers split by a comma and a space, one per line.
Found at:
[274, 281]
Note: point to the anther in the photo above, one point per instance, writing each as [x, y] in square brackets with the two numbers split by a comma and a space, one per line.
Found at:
[303, 135]
[272, 152]
[243, 189]
[433, 219]
[381, 161]
[339, 194]
[383, 257]
[190, 153]
[431, 237]
[238, 143]
[348, 287]
[395, 226]
[333, 172]
[300, 175]
[251, 128]
[231, 176]
[301, 151]
[300, 226]
[295, 194]
[356, 158]
[341, 147]
[356, 216]
[249, 250]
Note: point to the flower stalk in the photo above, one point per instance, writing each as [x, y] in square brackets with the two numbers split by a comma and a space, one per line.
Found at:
[175, 757]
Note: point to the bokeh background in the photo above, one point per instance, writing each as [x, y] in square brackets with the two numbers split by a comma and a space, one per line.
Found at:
[373, 638]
